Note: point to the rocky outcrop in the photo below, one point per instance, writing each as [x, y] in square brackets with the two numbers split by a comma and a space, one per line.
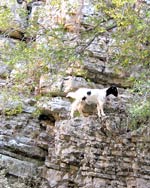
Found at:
[40, 145]
[80, 152]
[89, 156]
[101, 73]
[52, 150]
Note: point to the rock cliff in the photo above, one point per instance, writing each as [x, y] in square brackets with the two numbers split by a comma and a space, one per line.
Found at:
[80, 152]
[50, 150]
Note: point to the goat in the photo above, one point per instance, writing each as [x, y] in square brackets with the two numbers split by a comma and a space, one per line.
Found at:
[90, 96]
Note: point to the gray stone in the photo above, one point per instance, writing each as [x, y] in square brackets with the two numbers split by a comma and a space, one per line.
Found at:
[99, 72]
[59, 85]
[57, 107]
[72, 83]
[18, 168]
[54, 177]
[81, 152]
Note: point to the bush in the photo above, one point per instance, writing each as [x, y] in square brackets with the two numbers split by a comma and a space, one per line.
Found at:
[139, 110]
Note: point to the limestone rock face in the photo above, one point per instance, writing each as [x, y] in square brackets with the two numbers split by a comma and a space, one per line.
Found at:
[79, 152]
[17, 145]
[88, 157]
[59, 85]
[39, 143]
[55, 107]
[99, 72]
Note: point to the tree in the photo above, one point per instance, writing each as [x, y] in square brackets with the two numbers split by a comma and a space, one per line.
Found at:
[61, 33]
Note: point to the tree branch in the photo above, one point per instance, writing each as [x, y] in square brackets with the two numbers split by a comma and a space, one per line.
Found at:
[96, 35]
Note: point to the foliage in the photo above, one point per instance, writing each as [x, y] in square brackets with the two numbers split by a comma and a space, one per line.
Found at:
[5, 18]
[131, 48]
[11, 104]
[140, 105]
[132, 33]
[60, 44]
[139, 114]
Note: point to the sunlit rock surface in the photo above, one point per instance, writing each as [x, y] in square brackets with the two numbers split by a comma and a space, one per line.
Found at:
[39, 142]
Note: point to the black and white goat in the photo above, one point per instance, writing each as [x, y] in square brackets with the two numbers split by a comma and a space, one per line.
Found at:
[90, 96]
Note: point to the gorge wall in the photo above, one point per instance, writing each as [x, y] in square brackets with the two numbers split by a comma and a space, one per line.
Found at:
[54, 151]
[80, 152]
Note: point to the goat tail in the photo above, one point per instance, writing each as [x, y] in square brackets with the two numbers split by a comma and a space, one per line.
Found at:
[71, 94]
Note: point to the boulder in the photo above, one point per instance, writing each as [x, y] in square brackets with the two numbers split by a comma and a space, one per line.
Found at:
[55, 107]
[100, 73]
[60, 86]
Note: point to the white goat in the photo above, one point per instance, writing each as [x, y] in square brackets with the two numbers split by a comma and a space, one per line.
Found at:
[90, 96]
